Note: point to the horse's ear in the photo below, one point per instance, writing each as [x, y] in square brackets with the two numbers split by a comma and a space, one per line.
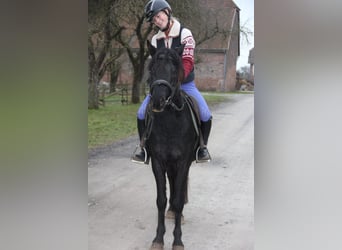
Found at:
[151, 48]
[180, 49]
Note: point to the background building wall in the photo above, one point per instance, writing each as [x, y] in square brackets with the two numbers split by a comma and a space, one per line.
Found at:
[216, 69]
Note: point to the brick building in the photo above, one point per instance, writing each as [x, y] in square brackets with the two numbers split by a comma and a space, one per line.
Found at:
[216, 69]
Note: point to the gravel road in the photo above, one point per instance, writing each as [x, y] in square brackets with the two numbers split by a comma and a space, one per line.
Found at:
[122, 211]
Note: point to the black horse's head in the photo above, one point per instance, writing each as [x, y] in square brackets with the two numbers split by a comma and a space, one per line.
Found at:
[166, 74]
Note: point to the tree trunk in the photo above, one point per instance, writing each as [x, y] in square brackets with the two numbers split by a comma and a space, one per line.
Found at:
[138, 75]
[113, 77]
[93, 95]
[135, 90]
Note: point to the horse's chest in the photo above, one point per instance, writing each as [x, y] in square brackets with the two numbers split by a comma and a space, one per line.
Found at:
[170, 140]
[170, 135]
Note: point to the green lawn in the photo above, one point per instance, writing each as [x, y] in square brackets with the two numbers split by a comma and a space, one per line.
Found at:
[115, 121]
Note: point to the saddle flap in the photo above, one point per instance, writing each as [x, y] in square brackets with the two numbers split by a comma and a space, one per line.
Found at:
[192, 103]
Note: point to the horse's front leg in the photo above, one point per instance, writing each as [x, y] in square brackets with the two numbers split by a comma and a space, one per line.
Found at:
[177, 233]
[178, 205]
[160, 178]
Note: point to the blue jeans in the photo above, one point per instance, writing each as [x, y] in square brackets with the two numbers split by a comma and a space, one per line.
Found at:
[189, 88]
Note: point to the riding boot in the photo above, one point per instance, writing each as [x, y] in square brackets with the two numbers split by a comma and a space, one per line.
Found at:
[141, 157]
[203, 153]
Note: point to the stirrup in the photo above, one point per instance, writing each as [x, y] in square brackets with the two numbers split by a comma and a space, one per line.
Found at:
[201, 161]
[146, 160]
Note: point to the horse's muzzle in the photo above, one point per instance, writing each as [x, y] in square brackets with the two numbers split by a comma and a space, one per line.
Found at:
[159, 105]
[161, 99]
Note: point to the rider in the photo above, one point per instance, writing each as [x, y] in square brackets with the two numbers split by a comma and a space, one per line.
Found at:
[171, 35]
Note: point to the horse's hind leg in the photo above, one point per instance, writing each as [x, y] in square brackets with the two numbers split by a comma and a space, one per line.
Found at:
[160, 178]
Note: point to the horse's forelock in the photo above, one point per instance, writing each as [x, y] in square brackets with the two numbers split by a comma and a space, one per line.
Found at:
[172, 54]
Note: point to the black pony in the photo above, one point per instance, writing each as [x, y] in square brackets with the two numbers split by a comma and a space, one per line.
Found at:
[172, 137]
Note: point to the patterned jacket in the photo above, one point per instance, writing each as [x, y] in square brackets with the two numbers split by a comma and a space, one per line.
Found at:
[177, 36]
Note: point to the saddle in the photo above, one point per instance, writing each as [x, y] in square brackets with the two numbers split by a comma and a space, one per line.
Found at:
[194, 110]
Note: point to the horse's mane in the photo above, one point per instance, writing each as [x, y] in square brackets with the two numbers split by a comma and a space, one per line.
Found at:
[165, 55]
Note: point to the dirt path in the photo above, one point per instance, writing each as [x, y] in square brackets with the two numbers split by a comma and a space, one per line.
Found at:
[122, 209]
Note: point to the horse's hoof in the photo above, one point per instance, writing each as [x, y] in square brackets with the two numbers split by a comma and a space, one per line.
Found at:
[177, 247]
[171, 215]
[157, 246]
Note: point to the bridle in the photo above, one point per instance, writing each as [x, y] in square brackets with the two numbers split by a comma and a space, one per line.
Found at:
[169, 100]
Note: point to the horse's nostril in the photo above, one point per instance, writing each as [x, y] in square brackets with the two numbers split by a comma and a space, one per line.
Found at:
[158, 104]
[162, 100]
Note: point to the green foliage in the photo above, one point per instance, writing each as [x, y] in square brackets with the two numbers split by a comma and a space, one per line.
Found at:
[111, 123]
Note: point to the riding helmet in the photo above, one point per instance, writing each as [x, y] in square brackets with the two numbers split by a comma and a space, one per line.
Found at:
[154, 6]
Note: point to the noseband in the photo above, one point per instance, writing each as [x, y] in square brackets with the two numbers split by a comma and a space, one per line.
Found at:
[168, 101]
[161, 82]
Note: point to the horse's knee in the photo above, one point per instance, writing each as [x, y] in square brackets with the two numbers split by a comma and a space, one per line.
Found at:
[177, 205]
[161, 202]
[179, 200]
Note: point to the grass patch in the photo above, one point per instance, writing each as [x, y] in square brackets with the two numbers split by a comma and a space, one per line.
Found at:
[111, 123]
[213, 98]
[116, 121]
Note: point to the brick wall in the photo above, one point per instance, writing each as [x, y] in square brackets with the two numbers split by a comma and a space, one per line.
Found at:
[209, 70]
[216, 69]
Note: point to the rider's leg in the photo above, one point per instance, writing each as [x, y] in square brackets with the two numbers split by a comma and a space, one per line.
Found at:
[205, 117]
[203, 153]
[140, 157]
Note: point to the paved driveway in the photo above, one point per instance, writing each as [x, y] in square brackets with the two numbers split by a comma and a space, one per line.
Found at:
[122, 208]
